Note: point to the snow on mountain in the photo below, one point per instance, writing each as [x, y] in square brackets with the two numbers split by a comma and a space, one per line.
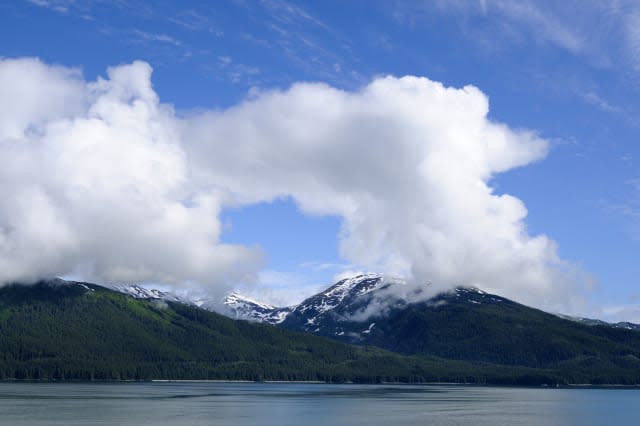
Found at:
[139, 292]
[237, 306]
[593, 322]
[352, 309]
[353, 299]
[346, 290]
[242, 307]
[350, 300]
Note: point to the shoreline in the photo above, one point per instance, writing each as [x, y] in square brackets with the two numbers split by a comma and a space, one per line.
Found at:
[316, 382]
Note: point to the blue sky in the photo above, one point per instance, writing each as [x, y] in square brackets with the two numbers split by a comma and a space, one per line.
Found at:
[568, 72]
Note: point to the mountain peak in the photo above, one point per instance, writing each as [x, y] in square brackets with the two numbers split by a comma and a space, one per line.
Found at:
[140, 292]
[242, 307]
[237, 298]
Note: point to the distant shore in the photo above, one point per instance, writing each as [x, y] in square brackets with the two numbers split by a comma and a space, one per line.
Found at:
[317, 382]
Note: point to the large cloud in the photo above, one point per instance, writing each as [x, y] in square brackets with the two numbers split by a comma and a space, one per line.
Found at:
[94, 182]
[407, 164]
[100, 178]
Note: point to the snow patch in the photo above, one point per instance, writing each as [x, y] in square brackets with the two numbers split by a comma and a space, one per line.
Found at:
[368, 330]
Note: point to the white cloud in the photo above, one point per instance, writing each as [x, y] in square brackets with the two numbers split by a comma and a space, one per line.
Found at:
[34, 94]
[60, 6]
[407, 164]
[115, 186]
[617, 313]
[547, 24]
[543, 25]
[280, 288]
[604, 33]
[95, 182]
[153, 37]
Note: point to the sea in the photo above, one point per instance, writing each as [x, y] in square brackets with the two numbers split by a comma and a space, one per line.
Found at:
[265, 404]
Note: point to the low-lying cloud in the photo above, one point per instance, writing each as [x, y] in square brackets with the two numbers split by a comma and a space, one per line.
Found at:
[103, 180]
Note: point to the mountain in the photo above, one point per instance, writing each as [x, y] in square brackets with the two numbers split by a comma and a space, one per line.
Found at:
[347, 295]
[63, 330]
[235, 306]
[140, 292]
[350, 295]
[241, 307]
[70, 330]
[465, 324]
[590, 321]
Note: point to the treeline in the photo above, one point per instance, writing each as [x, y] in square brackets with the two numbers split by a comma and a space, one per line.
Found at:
[378, 372]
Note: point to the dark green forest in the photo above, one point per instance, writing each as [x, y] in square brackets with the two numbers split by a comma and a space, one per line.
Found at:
[479, 327]
[52, 331]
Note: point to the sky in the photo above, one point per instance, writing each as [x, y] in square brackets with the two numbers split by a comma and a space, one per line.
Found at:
[276, 146]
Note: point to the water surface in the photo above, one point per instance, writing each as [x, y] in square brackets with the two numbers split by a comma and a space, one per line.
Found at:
[242, 404]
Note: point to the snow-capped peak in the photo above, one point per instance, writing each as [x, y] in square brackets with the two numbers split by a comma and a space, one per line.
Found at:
[236, 298]
[344, 292]
[365, 282]
[242, 307]
[346, 289]
[139, 292]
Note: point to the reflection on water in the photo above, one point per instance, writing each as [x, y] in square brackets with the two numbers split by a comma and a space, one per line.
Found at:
[309, 404]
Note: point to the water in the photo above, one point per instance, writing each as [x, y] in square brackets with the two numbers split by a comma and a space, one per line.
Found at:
[242, 404]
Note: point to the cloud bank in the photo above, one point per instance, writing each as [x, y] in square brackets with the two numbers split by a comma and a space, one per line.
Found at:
[103, 180]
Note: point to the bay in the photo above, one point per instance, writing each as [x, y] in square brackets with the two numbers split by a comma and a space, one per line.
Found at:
[186, 403]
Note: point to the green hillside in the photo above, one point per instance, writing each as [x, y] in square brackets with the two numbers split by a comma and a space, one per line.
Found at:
[75, 331]
[473, 326]
[500, 331]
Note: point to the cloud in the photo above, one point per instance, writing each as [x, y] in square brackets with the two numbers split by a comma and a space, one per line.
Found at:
[280, 288]
[80, 10]
[632, 37]
[407, 164]
[515, 22]
[602, 32]
[152, 37]
[595, 99]
[195, 21]
[102, 179]
[291, 14]
[618, 313]
[60, 6]
[235, 72]
[544, 26]
[95, 182]
[594, 39]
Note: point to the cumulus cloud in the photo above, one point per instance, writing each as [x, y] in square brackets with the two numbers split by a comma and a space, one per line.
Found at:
[95, 182]
[103, 179]
[407, 163]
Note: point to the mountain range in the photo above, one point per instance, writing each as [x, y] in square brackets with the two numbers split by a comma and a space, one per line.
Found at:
[360, 329]
[64, 330]
[464, 324]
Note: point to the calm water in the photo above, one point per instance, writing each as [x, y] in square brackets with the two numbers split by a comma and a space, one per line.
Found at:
[310, 404]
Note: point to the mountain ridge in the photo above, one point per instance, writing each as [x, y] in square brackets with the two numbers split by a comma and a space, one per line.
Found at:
[464, 324]
[238, 306]
[245, 313]
[81, 331]
[58, 330]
